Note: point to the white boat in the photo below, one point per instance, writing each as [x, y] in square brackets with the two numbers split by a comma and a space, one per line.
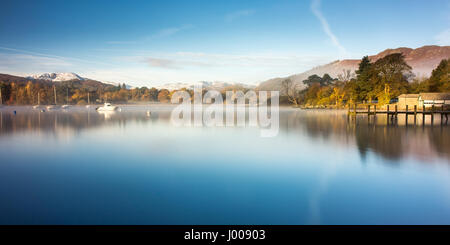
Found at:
[52, 107]
[64, 107]
[107, 107]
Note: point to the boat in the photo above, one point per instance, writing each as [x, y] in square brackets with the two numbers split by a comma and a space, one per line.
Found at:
[89, 101]
[55, 106]
[38, 106]
[107, 107]
[52, 107]
[65, 107]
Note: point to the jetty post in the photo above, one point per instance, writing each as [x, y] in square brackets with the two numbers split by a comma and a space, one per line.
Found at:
[415, 113]
[396, 112]
[387, 114]
[432, 114]
[423, 115]
[406, 115]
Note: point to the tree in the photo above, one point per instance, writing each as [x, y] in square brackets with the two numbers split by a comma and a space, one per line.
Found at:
[289, 89]
[393, 71]
[364, 65]
[323, 81]
[163, 96]
[346, 76]
[153, 94]
[440, 77]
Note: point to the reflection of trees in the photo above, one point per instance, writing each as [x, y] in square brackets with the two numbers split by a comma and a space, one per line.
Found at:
[440, 139]
[389, 141]
[385, 140]
[51, 121]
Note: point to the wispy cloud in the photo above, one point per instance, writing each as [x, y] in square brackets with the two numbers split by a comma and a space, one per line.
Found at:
[21, 63]
[443, 38]
[170, 31]
[182, 60]
[238, 14]
[174, 63]
[161, 63]
[121, 42]
[315, 7]
[165, 32]
[37, 54]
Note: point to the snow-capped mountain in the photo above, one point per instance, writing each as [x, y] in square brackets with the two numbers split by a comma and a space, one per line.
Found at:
[204, 84]
[57, 77]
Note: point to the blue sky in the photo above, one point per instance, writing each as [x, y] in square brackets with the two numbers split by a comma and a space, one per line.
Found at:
[146, 43]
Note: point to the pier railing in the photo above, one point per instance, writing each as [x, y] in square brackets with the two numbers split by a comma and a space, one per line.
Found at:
[392, 113]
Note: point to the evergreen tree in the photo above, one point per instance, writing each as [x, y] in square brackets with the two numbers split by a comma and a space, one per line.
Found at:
[364, 65]
[440, 77]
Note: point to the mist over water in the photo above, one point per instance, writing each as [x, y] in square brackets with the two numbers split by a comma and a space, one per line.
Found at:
[130, 167]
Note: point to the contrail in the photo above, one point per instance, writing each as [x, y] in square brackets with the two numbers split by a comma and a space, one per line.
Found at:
[52, 56]
[315, 7]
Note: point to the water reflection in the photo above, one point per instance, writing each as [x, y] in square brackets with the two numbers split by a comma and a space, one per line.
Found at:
[389, 141]
[134, 167]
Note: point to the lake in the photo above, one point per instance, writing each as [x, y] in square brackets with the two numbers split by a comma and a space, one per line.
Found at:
[80, 166]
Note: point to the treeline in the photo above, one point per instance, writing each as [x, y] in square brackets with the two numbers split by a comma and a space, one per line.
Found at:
[380, 81]
[33, 92]
[19, 91]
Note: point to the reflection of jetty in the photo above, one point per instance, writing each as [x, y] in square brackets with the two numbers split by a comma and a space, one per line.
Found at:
[392, 113]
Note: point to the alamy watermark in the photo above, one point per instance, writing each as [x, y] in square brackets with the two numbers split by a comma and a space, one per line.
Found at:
[209, 110]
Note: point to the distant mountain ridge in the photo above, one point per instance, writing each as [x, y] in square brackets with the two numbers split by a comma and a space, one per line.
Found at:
[422, 60]
[204, 84]
[62, 77]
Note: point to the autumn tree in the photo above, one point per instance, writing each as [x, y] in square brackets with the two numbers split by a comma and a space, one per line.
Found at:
[163, 96]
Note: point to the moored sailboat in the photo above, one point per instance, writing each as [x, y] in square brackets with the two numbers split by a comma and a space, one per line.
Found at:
[107, 107]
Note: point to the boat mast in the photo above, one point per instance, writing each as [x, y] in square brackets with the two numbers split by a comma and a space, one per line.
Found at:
[67, 96]
[89, 101]
[54, 92]
[39, 99]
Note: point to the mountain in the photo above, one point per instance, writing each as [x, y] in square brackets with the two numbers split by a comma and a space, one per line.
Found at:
[89, 83]
[422, 60]
[16, 79]
[57, 77]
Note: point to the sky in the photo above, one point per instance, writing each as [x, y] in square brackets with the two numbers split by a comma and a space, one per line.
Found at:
[145, 43]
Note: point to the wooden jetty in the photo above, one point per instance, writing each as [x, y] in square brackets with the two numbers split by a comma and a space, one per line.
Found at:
[392, 115]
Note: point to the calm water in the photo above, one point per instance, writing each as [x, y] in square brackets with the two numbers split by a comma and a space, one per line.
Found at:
[83, 167]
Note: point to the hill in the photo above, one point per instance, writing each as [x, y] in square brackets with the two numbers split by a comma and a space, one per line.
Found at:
[422, 60]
